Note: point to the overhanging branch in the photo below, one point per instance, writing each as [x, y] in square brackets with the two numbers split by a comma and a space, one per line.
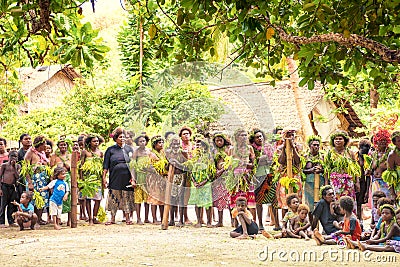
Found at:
[388, 55]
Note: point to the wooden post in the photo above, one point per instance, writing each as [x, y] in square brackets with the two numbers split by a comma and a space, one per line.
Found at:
[168, 189]
[316, 187]
[74, 189]
[289, 162]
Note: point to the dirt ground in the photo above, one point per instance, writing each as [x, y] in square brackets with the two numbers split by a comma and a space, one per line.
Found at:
[122, 245]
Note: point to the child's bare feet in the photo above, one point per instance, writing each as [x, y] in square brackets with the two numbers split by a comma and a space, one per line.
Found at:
[188, 222]
[156, 222]
[266, 234]
[139, 222]
[171, 223]
[57, 227]
[349, 243]
[22, 228]
[146, 221]
[361, 246]
[209, 225]
[219, 225]
[197, 225]
[91, 222]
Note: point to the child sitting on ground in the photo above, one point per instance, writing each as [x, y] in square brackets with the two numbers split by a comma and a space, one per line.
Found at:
[292, 201]
[351, 225]
[338, 213]
[25, 215]
[247, 228]
[375, 214]
[60, 194]
[392, 243]
[388, 230]
[382, 201]
[300, 225]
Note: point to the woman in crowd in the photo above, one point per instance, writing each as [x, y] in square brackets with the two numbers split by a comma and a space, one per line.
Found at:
[116, 163]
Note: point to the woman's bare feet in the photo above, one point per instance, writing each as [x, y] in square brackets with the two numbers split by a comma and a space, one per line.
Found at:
[180, 225]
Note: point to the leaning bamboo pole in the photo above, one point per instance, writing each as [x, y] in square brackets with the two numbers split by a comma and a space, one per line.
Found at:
[289, 161]
[316, 187]
[74, 189]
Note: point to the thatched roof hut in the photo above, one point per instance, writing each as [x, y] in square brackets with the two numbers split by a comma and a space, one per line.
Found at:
[45, 86]
[261, 105]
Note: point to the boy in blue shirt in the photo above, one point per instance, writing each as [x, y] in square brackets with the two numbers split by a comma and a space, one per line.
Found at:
[25, 216]
[60, 194]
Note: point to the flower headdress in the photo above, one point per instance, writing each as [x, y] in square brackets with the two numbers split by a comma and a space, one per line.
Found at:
[381, 135]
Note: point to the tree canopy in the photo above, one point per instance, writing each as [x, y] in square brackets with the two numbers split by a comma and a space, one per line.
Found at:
[333, 41]
[44, 32]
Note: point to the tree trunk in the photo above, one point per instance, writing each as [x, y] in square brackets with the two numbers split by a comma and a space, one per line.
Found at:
[374, 97]
[306, 129]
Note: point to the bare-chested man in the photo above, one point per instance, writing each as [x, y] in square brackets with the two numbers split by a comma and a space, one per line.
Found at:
[393, 163]
[9, 174]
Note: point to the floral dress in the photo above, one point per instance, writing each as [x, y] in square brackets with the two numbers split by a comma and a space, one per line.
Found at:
[220, 193]
[342, 172]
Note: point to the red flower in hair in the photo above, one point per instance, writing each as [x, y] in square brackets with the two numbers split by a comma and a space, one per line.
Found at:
[381, 135]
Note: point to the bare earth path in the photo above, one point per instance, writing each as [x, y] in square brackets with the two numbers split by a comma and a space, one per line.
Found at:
[121, 245]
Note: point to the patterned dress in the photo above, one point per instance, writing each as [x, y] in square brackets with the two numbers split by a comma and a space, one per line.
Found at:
[243, 178]
[220, 194]
[265, 190]
[342, 171]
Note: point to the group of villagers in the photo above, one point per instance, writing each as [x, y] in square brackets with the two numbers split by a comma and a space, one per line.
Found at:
[238, 173]
[37, 180]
